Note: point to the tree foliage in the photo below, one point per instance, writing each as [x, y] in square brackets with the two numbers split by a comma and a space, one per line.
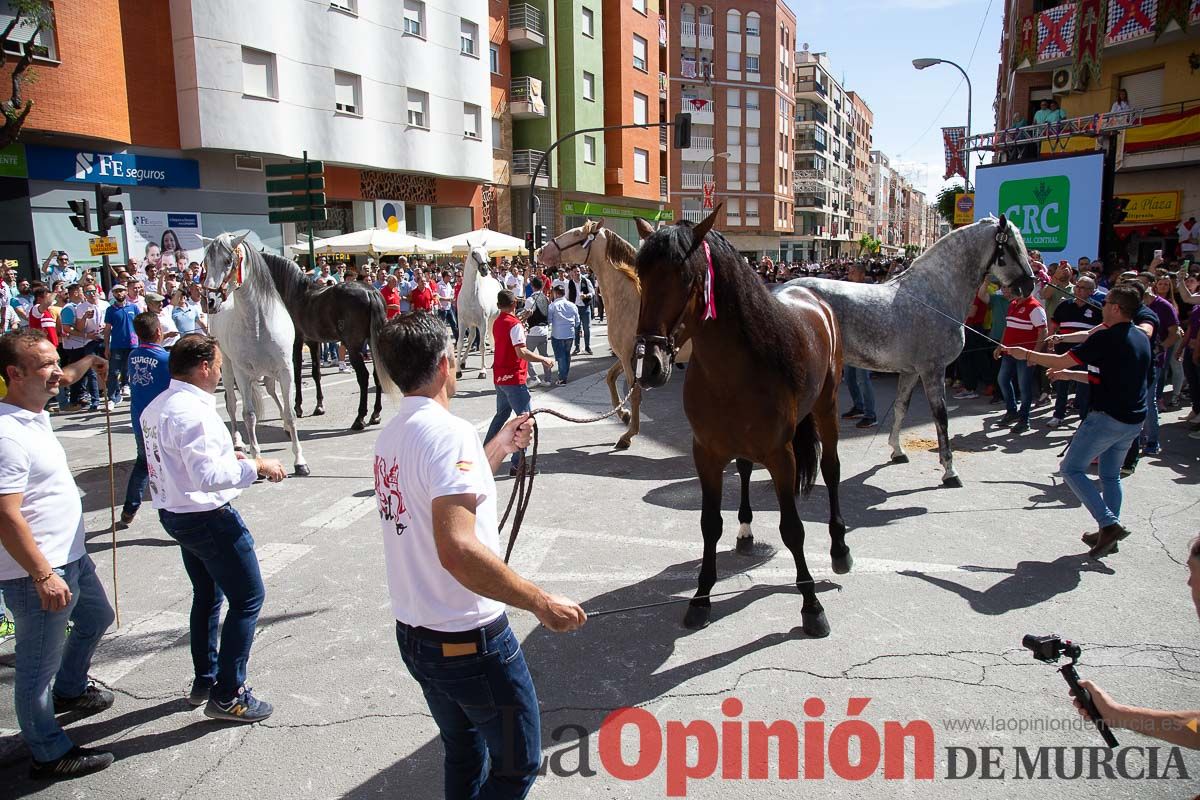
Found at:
[868, 245]
[27, 14]
[945, 201]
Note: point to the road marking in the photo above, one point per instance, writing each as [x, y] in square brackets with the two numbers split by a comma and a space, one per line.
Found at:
[273, 557]
[342, 514]
[819, 565]
[532, 548]
[124, 651]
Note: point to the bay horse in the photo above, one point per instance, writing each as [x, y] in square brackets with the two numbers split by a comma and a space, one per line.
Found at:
[351, 313]
[256, 336]
[761, 387]
[611, 260]
[909, 324]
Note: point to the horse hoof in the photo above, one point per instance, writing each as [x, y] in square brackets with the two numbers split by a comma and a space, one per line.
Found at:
[842, 563]
[358, 425]
[299, 412]
[623, 416]
[900, 459]
[302, 471]
[458, 375]
[319, 411]
[622, 444]
[374, 419]
[483, 375]
[953, 482]
[814, 624]
[745, 545]
[697, 617]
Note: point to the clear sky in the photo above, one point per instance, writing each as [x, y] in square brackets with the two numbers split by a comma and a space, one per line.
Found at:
[871, 45]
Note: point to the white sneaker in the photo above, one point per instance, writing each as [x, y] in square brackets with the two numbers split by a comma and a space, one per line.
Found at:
[343, 367]
[1054, 422]
[966, 394]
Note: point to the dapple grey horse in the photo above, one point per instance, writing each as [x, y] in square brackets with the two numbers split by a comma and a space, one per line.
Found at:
[910, 324]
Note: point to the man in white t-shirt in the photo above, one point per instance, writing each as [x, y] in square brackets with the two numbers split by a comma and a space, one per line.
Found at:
[445, 300]
[46, 575]
[437, 508]
[1189, 238]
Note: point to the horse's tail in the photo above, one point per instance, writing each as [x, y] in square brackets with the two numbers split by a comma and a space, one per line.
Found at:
[806, 446]
[378, 317]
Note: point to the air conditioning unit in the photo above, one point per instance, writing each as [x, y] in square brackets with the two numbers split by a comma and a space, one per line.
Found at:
[1063, 81]
[247, 162]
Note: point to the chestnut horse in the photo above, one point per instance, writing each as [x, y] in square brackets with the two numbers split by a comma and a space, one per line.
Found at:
[761, 387]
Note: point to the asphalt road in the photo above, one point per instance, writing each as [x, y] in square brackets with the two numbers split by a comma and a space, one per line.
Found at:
[927, 626]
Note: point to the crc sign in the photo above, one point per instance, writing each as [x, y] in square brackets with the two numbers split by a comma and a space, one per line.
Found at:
[122, 169]
[1055, 202]
[1041, 209]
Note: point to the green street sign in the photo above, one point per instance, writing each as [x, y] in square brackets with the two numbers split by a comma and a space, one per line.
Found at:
[309, 184]
[296, 200]
[1041, 209]
[299, 215]
[12, 161]
[581, 208]
[295, 168]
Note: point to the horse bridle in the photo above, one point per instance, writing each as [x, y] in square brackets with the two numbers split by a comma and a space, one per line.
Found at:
[222, 289]
[586, 242]
[642, 341]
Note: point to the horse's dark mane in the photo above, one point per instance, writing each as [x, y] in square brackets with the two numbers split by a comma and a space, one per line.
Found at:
[289, 279]
[739, 292]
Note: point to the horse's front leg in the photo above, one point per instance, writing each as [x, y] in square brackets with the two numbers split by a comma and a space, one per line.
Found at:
[289, 425]
[782, 466]
[229, 384]
[710, 468]
[745, 536]
[314, 352]
[377, 414]
[935, 392]
[360, 372]
[245, 385]
[825, 421]
[905, 385]
[298, 372]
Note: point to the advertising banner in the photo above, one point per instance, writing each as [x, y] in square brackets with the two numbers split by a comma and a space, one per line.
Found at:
[171, 231]
[1149, 207]
[122, 169]
[1055, 202]
[964, 208]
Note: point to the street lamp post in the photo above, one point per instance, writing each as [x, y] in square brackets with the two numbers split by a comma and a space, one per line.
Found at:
[704, 171]
[922, 63]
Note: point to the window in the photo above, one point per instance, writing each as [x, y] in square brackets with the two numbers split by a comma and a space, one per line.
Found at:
[733, 61]
[752, 25]
[733, 98]
[418, 109]
[733, 136]
[733, 172]
[752, 173]
[414, 18]
[641, 105]
[752, 137]
[21, 37]
[733, 208]
[641, 165]
[733, 21]
[639, 52]
[471, 119]
[258, 73]
[494, 58]
[347, 93]
[468, 38]
[751, 208]
[589, 86]
[589, 149]
[589, 23]
[345, 5]
[639, 6]
[751, 99]
[751, 63]
[497, 132]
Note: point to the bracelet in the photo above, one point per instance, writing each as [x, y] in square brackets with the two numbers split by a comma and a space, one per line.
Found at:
[45, 577]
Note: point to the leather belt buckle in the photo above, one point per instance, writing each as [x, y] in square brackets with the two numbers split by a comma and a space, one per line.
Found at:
[451, 649]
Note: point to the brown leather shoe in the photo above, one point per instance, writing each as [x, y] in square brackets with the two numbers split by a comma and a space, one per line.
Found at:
[1106, 542]
[1090, 540]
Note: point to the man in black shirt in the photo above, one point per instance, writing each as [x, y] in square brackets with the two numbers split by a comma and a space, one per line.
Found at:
[1115, 359]
[1072, 317]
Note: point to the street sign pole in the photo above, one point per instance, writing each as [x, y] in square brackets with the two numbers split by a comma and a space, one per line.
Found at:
[312, 254]
[296, 193]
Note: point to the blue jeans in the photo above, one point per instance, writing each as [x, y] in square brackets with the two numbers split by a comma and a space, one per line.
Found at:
[138, 478]
[509, 400]
[1083, 394]
[45, 652]
[858, 381]
[487, 712]
[1016, 376]
[562, 354]
[1150, 426]
[448, 316]
[1099, 436]
[118, 362]
[218, 555]
[584, 326]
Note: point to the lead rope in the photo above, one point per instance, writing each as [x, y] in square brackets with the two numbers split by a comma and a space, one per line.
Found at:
[526, 469]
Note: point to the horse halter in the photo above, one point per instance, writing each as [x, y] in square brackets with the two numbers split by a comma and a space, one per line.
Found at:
[1002, 239]
[642, 341]
[586, 243]
[222, 289]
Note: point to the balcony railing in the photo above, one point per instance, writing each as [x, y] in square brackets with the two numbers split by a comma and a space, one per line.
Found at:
[525, 98]
[701, 143]
[524, 162]
[687, 30]
[691, 180]
[662, 187]
[663, 83]
[811, 86]
[663, 138]
[807, 143]
[693, 214]
[525, 30]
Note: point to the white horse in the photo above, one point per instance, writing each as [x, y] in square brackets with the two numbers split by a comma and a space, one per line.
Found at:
[477, 308]
[255, 333]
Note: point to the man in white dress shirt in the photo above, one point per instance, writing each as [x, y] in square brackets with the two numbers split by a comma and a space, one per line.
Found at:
[194, 474]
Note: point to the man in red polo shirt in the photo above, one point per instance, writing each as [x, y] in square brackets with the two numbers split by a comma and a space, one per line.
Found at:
[422, 296]
[1025, 326]
[510, 369]
[391, 295]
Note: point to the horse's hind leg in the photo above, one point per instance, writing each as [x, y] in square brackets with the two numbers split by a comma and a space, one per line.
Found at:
[610, 378]
[745, 536]
[905, 385]
[360, 372]
[378, 412]
[935, 391]
[314, 353]
[246, 385]
[298, 372]
[289, 425]
[710, 468]
[783, 470]
[825, 418]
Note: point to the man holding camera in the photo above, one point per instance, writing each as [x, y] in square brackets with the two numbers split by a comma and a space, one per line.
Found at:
[1116, 360]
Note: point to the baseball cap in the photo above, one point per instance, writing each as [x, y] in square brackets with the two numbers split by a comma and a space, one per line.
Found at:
[154, 297]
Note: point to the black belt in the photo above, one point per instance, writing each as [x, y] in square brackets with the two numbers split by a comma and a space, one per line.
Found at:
[489, 631]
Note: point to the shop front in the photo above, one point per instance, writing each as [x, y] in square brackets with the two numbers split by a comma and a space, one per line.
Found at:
[622, 220]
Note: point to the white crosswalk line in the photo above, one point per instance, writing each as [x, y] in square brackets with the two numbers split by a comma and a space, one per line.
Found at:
[131, 646]
[342, 514]
[274, 557]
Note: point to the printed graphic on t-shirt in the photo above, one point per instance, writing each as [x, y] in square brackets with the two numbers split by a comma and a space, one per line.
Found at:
[141, 370]
[388, 495]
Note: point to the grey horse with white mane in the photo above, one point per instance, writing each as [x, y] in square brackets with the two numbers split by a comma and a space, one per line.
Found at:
[911, 324]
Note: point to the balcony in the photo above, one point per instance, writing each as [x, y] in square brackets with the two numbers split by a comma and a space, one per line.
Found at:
[525, 98]
[524, 162]
[812, 202]
[702, 148]
[706, 36]
[809, 143]
[662, 188]
[687, 33]
[693, 214]
[691, 180]
[663, 138]
[700, 116]
[811, 88]
[813, 114]
[663, 83]
[525, 30]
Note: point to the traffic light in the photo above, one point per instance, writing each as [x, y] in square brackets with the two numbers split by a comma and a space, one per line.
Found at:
[1119, 210]
[109, 212]
[683, 131]
[543, 236]
[82, 218]
[529, 242]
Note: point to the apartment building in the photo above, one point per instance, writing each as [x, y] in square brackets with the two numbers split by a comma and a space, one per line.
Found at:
[730, 65]
[860, 140]
[1155, 62]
